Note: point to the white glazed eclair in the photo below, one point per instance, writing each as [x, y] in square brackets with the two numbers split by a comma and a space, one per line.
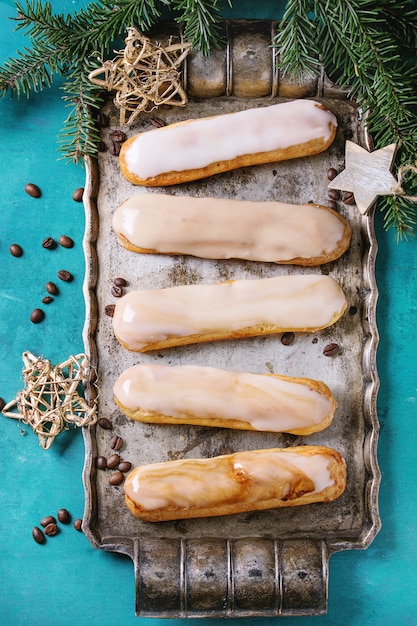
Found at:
[198, 148]
[220, 228]
[235, 483]
[207, 396]
[161, 318]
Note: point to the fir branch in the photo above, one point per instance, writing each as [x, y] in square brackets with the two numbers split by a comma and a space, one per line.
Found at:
[201, 23]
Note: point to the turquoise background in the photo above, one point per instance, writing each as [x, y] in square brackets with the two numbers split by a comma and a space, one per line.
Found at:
[67, 581]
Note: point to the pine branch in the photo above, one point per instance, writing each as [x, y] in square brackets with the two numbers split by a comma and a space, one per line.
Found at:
[201, 23]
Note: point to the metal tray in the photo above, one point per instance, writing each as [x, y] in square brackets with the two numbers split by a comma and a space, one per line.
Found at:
[269, 563]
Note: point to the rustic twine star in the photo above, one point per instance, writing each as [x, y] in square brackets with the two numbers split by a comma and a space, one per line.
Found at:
[144, 75]
[367, 175]
[50, 402]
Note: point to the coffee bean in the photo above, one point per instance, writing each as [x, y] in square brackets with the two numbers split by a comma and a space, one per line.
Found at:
[47, 300]
[333, 194]
[116, 291]
[102, 120]
[118, 136]
[49, 243]
[105, 423]
[116, 443]
[49, 519]
[332, 205]
[102, 146]
[78, 524]
[331, 349]
[52, 288]
[51, 530]
[33, 190]
[288, 338]
[63, 516]
[16, 250]
[37, 316]
[113, 461]
[65, 242]
[2, 404]
[115, 148]
[348, 198]
[65, 276]
[101, 462]
[157, 122]
[38, 535]
[331, 173]
[117, 478]
[109, 309]
[78, 194]
[120, 282]
[124, 466]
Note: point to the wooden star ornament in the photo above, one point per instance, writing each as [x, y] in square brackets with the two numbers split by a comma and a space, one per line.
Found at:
[367, 174]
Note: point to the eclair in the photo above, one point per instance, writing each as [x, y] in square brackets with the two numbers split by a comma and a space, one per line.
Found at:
[162, 318]
[220, 228]
[207, 396]
[235, 483]
[198, 148]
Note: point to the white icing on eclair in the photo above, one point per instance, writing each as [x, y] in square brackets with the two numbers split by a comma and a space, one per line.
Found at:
[209, 483]
[303, 302]
[264, 402]
[220, 228]
[200, 142]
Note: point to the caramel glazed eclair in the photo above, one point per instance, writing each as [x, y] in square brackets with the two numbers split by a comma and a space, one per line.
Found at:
[235, 483]
[208, 396]
[198, 148]
[220, 228]
[161, 318]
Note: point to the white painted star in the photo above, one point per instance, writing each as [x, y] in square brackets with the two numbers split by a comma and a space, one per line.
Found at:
[367, 174]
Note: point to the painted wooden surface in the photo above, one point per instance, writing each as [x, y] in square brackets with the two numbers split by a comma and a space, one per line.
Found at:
[66, 581]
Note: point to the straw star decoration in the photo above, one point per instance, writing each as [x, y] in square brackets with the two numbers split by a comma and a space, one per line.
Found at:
[367, 174]
[145, 75]
[50, 402]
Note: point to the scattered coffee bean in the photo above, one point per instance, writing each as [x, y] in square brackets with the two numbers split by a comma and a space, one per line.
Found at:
[109, 309]
[102, 120]
[16, 250]
[105, 423]
[348, 198]
[113, 461]
[65, 276]
[33, 190]
[115, 148]
[124, 466]
[333, 194]
[118, 136]
[101, 462]
[117, 478]
[102, 146]
[116, 443]
[331, 173]
[120, 282]
[47, 300]
[332, 205]
[157, 122]
[116, 291]
[38, 535]
[78, 524]
[78, 194]
[2, 404]
[37, 316]
[49, 519]
[288, 338]
[63, 516]
[65, 242]
[49, 243]
[51, 530]
[52, 288]
[331, 349]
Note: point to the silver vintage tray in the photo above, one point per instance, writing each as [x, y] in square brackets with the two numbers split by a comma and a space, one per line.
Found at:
[268, 563]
